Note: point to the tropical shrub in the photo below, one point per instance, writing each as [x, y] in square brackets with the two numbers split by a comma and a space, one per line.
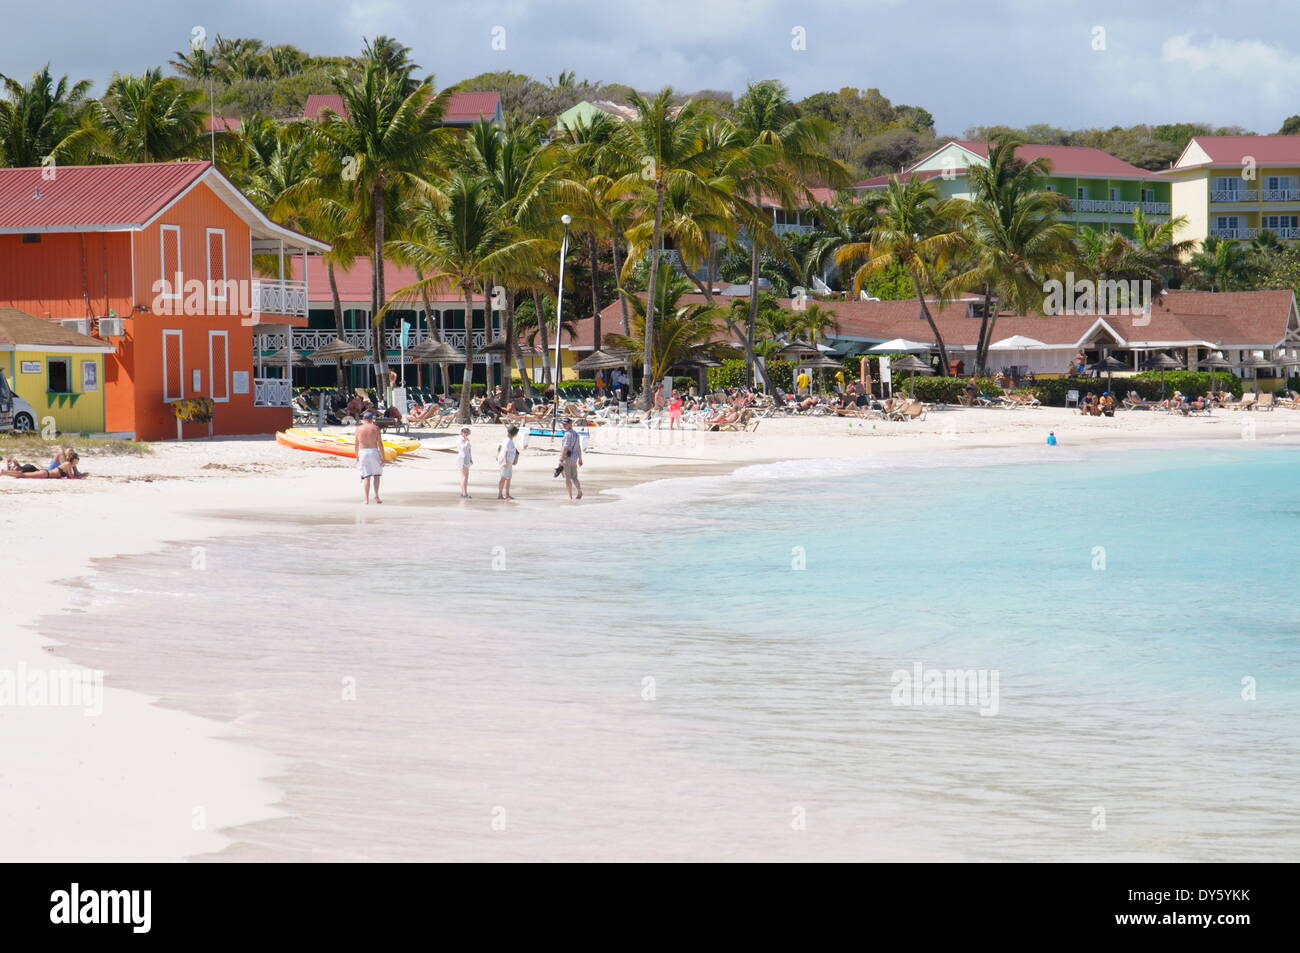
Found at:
[942, 390]
[732, 374]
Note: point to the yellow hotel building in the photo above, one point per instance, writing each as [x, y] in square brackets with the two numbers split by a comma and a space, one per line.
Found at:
[1234, 187]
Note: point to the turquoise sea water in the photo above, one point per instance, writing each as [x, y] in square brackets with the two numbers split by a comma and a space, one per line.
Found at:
[706, 669]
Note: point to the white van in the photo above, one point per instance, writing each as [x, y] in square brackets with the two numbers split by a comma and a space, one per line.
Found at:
[15, 413]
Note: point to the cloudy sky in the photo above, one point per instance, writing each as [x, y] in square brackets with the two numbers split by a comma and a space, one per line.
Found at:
[1064, 62]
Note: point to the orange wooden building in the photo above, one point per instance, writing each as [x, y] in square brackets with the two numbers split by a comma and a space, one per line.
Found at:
[157, 259]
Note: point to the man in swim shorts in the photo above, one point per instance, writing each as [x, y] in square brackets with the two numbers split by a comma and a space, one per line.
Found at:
[370, 455]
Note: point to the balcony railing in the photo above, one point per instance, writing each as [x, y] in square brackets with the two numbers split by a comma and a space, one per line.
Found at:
[789, 227]
[1245, 233]
[306, 341]
[1241, 234]
[1121, 207]
[271, 296]
[1282, 195]
[272, 392]
[1233, 195]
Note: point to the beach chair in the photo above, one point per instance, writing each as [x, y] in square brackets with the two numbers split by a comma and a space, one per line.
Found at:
[1246, 402]
[1267, 401]
[912, 410]
[1072, 397]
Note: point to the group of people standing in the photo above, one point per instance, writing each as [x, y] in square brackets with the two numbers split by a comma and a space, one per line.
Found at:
[369, 447]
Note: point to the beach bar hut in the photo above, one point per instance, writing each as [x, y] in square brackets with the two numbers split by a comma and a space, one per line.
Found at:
[58, 371]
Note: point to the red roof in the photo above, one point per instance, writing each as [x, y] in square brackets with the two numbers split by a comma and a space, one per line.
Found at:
[1265, 150]
[354, 283]
[317, 103]
[880, 181]
[470, 107]
[1237, 319]
[1068, 160]
[223, 124]
[461, 107]
[92, 197]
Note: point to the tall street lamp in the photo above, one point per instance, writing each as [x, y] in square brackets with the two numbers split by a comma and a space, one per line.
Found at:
[559, 321]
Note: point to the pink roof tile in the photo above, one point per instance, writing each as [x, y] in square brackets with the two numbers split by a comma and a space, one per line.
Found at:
[91, 197]
[1265, 150]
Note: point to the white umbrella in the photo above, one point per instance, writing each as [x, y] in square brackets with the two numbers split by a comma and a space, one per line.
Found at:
[1017, 342]
[898, 345]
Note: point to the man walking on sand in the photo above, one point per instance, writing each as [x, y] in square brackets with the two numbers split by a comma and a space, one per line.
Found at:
[571, 459]
[370, 455]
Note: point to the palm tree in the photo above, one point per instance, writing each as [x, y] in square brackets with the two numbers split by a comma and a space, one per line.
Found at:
[383, 154]
[1106, 257]
[1222, 264]
[917, 232]
[275, 165]
[1159, 241]
[519, 178]
[467, 244]
[685, 331]
[148, 118]
[40, 121]
[781, 151]
[666, 147]
[587, 169]
[836, 227]
[1015, 238]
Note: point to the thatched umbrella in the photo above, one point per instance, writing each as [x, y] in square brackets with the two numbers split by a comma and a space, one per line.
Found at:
[441, 353]
[798, 349]
[1109, 365]
[1215, 361]
[337, 351]
[913, 366]
[600, 361]
[701, 363]
[1162, 362]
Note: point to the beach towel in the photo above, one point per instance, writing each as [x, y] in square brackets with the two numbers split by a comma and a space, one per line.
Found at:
[369, 462]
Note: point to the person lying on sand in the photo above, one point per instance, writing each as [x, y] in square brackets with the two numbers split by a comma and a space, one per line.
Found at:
[13, 466]
[67, 470]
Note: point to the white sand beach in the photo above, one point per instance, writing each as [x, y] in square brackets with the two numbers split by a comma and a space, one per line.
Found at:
[125, 784]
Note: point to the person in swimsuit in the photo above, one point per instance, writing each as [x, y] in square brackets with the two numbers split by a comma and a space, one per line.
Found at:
[67, 470]
[370, 454]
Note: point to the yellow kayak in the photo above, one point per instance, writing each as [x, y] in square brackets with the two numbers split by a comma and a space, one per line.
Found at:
[397, 444]
[314, 443]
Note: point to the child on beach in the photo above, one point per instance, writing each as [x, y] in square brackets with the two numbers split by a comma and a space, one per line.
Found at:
[507, 457]
[465, 460]
[674, 411]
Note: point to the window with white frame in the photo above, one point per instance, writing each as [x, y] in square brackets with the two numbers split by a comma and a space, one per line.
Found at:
[1275, 222]
[173, 366]
[169, 237]
[1081, 192]
[216, 239]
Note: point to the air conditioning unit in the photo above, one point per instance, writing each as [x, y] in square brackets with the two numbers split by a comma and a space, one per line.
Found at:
[80, 325]
[110, 327]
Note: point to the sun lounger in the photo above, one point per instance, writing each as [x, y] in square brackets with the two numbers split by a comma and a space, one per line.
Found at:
[912, 410]
[1265, 402]
[1245, 403]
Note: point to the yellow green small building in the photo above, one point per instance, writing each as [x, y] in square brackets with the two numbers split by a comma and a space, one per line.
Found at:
[59, 372]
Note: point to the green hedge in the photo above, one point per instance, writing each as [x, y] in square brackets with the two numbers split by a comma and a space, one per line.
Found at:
[942, 390]
[1147, 384]
[732, 374]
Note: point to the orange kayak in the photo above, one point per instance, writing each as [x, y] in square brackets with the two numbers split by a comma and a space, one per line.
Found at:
[332, 447]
